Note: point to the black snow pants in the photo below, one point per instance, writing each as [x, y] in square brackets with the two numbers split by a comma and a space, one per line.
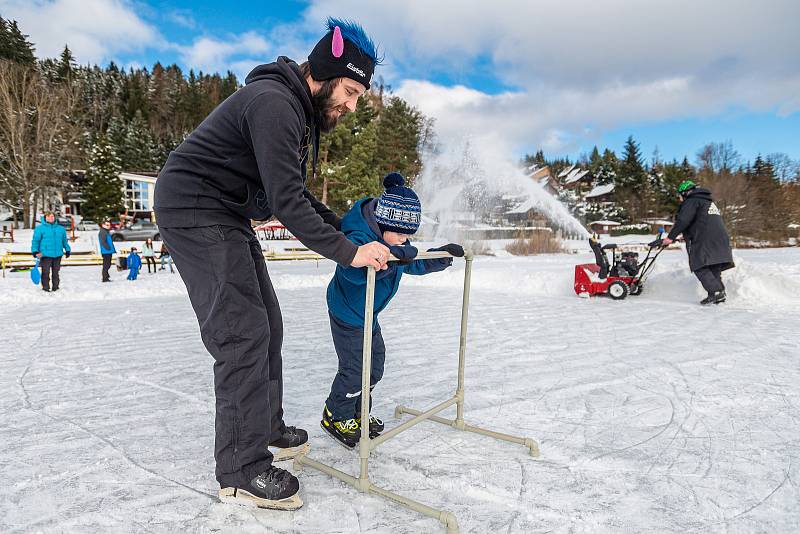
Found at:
[344, 400]
[241, 326]
[710, 277]
[50, 265]
[106, 267]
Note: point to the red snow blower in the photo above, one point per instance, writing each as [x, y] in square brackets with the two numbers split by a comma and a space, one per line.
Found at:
[624, 276]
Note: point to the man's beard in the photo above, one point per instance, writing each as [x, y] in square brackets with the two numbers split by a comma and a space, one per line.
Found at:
[323, 107]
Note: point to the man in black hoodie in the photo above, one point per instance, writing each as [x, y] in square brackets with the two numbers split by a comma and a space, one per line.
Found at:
[247, 161]
[707, 240]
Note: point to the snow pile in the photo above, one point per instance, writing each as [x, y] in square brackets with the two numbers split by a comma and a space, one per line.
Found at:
[759, 283]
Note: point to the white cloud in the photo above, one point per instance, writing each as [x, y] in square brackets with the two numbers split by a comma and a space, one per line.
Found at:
[579, 67]
[238, 53]
[558, 119]
[182, 17]
[95, 30]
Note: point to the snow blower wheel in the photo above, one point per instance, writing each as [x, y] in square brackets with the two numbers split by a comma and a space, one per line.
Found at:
[618, 290]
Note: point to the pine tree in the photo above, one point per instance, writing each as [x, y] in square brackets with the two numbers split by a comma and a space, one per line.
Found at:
[228, 86]
[136, 148]
[399, 127]
[14, 45]
[631, 169]
[595, 161]
[687, 171]
[336, 147]
[667, 200]
[358, 177]
[66, 65]
[103, 190]
[632, 190]
[606, 172]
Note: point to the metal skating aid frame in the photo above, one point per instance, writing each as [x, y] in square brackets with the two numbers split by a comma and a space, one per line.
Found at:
[367, 445]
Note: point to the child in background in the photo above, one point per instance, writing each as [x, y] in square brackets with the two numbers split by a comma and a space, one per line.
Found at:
[390, 220]
[134, 264]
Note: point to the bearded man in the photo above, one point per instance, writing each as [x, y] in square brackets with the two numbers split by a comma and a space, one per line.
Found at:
[247, 161]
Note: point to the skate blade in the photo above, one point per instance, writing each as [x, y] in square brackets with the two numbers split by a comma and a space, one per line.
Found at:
[328, 433]
[241, 497]
[281, 455]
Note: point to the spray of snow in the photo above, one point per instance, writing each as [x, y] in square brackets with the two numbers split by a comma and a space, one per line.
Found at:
[462, 181]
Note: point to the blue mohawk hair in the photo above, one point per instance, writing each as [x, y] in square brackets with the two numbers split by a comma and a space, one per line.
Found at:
[353, 32]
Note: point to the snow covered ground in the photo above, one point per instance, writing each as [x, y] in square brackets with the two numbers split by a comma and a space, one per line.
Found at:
[653, 414]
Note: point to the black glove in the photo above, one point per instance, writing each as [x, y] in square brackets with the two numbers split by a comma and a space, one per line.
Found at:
[451, 248]
[404, 254]
[35, 254]
[656, 243]
[67, 253]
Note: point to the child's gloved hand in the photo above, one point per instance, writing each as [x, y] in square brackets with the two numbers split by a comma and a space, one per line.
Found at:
[404, 254]
[451, 248]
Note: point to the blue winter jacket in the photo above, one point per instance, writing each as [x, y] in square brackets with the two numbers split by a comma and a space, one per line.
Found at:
[50, 240]
[347, 289]
[134, 261]
[106, 243]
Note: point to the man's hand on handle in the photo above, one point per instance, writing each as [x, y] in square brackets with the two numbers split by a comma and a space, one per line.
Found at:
[373, 254]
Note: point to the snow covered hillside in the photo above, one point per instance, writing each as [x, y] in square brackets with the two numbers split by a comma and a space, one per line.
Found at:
[653, 414]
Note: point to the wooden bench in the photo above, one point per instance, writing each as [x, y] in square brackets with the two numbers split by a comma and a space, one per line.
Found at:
[15, 260]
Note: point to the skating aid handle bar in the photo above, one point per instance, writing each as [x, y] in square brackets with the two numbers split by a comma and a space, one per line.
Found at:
[434, 255]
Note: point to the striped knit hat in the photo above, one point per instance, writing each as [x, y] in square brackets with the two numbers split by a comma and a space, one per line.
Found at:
[398, 208]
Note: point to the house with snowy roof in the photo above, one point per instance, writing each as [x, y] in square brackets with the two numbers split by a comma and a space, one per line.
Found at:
[600, 194]
[576, 179]
[542, 176]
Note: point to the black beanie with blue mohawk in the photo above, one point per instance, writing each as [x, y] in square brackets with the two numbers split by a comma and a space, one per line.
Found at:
[346, 51]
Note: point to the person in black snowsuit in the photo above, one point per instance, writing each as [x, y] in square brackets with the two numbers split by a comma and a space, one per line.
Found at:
[247, 161]
[707, 240]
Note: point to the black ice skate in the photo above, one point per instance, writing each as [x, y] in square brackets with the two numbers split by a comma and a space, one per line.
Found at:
[346, 432]
[293, 442]
[274, 488]
[375, 425]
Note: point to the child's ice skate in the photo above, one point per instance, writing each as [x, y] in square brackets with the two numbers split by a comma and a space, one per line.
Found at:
[346, 432]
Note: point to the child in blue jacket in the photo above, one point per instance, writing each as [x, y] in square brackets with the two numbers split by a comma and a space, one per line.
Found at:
[390, 220]
[134, 264]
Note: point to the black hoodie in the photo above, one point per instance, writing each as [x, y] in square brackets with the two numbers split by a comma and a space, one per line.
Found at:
[247, 160]
[700, 222]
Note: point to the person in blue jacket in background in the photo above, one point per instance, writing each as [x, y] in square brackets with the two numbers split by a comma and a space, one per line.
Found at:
[390, 220]
[134, 264]
[49, 245]
[106, 247]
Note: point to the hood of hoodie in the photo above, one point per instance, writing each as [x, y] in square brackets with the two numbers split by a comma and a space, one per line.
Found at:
[701, 194]
[286, 71]
[361, 218]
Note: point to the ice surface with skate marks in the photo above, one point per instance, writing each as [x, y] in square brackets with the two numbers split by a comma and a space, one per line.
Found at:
[653, 414]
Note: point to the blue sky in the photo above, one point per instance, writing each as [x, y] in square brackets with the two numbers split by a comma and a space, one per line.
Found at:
[525, 75]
